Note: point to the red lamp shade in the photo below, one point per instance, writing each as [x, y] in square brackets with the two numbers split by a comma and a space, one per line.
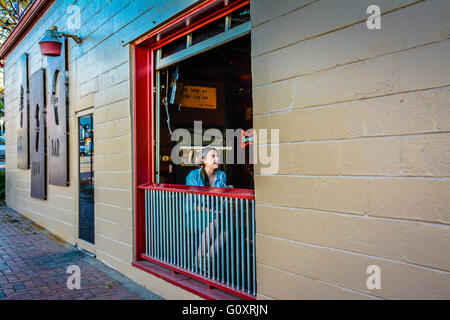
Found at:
[50, 49]
[50, 45]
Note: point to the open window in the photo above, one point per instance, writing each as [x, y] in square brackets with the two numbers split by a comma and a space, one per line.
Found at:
[214, 89]
[194, 74]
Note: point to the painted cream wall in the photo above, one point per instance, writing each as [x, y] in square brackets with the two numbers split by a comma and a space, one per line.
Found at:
[100, 82]
[364, 148]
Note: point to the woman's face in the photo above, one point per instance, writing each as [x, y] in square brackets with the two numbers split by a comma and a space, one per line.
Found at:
[211, 160]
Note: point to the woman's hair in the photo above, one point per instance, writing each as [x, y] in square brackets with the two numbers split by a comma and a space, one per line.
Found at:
[203, 174]
[205, 152]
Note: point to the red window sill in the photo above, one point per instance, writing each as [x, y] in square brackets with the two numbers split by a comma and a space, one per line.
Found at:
[187, 283]
[222, 192]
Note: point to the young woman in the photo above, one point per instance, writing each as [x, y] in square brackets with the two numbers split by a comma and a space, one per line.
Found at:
[208, 175]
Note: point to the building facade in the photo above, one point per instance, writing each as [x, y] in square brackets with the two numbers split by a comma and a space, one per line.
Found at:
[361, 187]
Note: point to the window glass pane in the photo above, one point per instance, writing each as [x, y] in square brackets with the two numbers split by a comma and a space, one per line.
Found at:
[174, 47]
[210, 30]
[216, 90]
[240, 16]
[86, 188]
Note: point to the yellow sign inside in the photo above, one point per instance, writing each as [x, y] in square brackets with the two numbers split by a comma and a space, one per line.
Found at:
[199, 97]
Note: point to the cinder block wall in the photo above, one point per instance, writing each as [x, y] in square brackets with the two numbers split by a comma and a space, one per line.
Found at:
[364, 148]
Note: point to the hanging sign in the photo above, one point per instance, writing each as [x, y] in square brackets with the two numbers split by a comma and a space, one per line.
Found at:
[199, 97]
[57, 114]
[38, 136]
[23, 151]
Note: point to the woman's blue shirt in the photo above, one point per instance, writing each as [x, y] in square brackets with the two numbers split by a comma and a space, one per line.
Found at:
[194, 179]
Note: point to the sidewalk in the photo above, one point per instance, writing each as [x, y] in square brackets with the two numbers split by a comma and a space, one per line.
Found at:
[33, 264]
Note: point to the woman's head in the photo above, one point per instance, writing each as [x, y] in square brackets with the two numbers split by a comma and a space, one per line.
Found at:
[210, 158]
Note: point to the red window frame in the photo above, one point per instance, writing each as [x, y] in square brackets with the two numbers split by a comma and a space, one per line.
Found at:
[144, 116]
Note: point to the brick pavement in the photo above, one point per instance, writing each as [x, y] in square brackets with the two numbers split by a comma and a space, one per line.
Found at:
[33, 264]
